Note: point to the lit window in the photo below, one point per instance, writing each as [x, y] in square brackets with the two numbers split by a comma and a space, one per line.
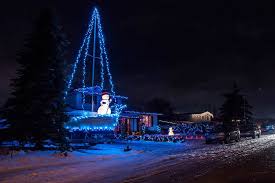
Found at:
[147, 120]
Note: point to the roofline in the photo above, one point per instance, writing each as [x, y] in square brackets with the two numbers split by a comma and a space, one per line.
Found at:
[137, 112]
[193, 112]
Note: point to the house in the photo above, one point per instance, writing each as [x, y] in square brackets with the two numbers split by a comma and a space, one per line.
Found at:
[129, 122]
[194, 116]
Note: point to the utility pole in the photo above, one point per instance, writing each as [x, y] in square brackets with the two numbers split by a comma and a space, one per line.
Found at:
[93, 69]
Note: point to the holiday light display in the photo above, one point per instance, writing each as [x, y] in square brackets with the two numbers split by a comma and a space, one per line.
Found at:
[103, 119]
[187, 129]
[94, 25]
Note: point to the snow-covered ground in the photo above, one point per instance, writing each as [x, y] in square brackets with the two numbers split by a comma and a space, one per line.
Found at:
[147, 161]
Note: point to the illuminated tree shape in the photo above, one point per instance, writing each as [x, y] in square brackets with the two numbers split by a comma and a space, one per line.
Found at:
[94, 32]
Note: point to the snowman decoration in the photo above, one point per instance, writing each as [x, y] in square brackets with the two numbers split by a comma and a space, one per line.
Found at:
[104, 104]
[171, 132]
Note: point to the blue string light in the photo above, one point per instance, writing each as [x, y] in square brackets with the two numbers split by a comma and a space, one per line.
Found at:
[117, 108]
[104, 61]
[102, 64]
[102, 42]
[84, 60]
[79, 54]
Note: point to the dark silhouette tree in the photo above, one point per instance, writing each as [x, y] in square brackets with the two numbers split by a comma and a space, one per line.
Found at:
[36, 110]
[159, 105]
[235, 111]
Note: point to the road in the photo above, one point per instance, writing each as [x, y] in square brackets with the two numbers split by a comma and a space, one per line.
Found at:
[192, 161]
[220, 163]
[259, 167]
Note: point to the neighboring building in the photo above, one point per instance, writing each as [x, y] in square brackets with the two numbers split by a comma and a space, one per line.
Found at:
[194, 116]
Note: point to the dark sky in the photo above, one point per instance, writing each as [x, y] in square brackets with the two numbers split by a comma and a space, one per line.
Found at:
[189, 52]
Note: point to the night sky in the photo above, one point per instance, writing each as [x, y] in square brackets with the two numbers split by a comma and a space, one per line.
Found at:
[189, 52]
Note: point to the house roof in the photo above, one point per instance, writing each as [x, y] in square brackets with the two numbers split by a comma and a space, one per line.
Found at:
[136, 114]
[142, 113]
[201, 112]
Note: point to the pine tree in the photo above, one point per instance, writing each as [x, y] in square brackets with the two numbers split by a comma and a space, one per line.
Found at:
[159, 105]
[235, 111]
[36, 110]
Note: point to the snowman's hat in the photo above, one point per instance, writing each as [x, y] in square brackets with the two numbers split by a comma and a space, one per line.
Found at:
[104, 92]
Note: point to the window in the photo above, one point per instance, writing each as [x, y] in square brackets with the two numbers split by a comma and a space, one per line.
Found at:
[147, 120]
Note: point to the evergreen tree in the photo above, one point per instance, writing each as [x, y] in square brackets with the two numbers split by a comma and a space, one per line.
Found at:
[235, 111]
[36, 110]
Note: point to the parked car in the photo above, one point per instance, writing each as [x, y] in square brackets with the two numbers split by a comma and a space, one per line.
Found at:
[269, 129]
[222, 135]
[251, 131]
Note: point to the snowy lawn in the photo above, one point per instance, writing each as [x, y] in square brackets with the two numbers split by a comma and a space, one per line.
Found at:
[109, 163]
